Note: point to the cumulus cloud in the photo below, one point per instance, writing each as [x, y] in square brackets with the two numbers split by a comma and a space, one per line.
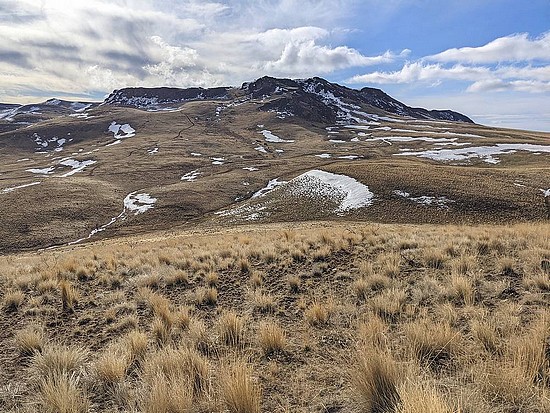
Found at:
[513, 63]
[514, 48]
[95, 46]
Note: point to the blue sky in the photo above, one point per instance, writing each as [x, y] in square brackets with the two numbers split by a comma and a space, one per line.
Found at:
[489, 59]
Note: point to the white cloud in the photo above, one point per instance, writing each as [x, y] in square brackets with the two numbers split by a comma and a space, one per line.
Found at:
[514, 48]
[97, 45]
[418, 71]
[527, 67]
[499, 85]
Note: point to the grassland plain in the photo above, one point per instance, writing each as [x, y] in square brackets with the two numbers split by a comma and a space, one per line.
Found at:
[308, 317]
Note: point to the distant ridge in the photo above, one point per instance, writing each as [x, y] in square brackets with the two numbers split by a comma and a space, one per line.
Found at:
[315, 99]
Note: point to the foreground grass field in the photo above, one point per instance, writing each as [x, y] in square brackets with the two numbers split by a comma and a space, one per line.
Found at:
[317, 317]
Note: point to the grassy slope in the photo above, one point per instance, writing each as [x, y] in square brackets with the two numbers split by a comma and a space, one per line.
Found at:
[305, 317]
[61, 210]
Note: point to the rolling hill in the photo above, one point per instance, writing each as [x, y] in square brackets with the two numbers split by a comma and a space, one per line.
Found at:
[272, 150]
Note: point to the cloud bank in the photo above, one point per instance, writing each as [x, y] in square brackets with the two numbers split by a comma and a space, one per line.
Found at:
[512, 63]
[94, 46]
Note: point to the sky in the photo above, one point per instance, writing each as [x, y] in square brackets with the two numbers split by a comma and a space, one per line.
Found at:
[489, 59]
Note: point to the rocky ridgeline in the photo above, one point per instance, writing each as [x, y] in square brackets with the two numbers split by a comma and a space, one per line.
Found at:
[314, 99]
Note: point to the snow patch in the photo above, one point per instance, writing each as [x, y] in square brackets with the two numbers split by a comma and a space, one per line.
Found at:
[13, 188]
[439, 201]
[271, 185]
[486, 153]
[191, 176]
[121, 131]
[77, 166]
[250, 168]
[44, 171]
[351, 193]
[270, 137]
[351, 157]
[139, 203]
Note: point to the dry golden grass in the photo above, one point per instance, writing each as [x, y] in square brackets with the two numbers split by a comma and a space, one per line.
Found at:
[455, 320]
[272, 338]
[69, 295]
[12, 300]
[30, 340]
[375, 378]
[420, 396]
[239, 391]
[294, 283]
[389, 303]
[256, 279]
[318, 313]
[263, 302]
[206, 296]
[231, 329]
[60, 393]
[433, 344]
[463, 289]
[167, 395]
[111, 367]
[56, 360]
